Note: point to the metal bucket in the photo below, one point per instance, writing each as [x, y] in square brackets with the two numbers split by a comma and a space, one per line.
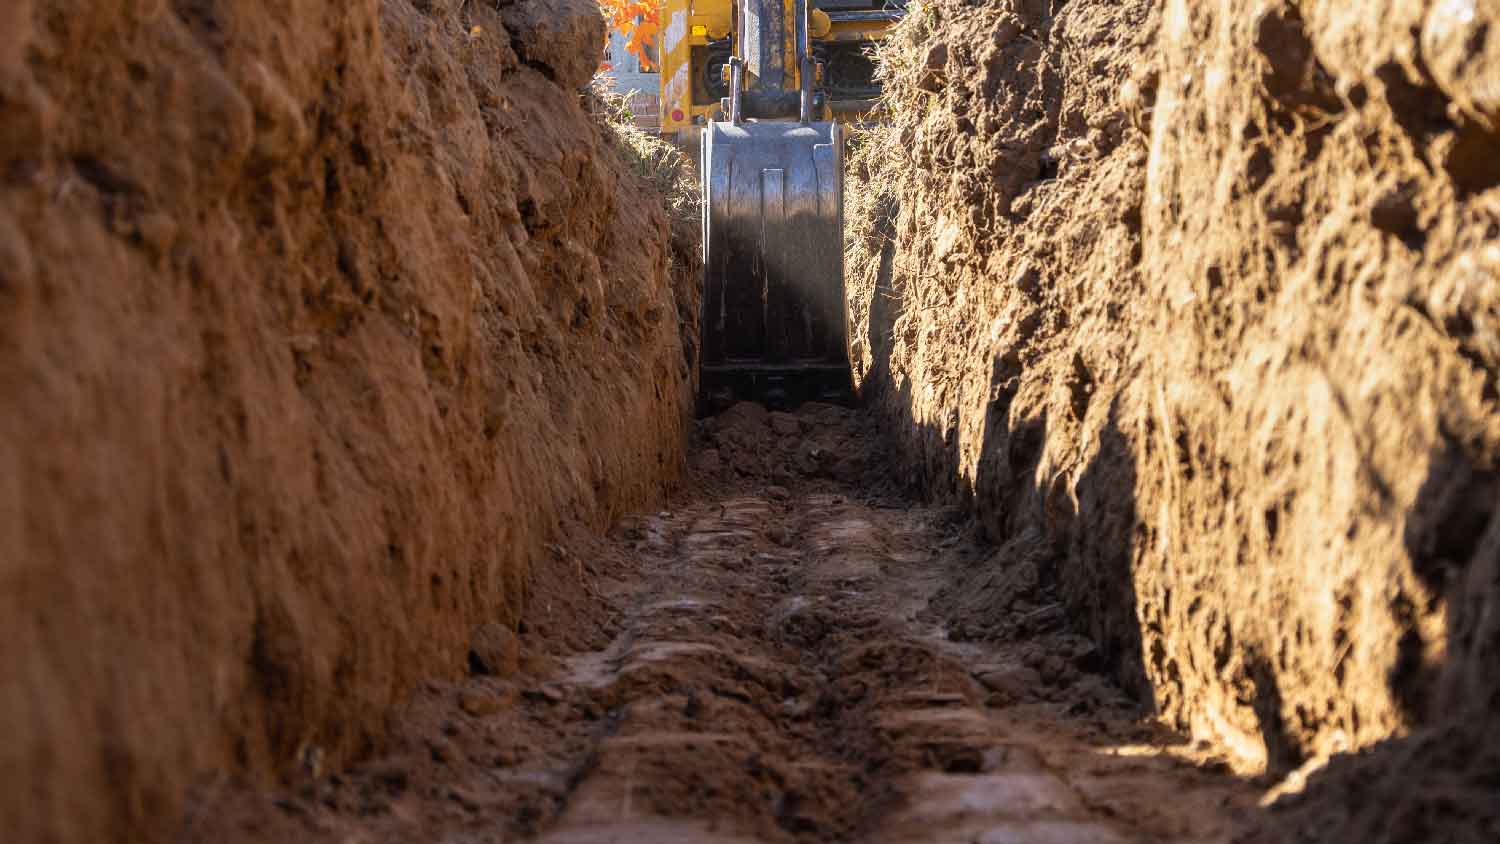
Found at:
[774, 326]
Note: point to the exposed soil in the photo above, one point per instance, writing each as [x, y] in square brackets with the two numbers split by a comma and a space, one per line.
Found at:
[1195, 304]
[767, 661]
[316, 321]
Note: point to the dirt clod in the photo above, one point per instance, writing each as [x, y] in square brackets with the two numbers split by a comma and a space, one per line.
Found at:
[495, 650]
[481, 704]
[1014, 683]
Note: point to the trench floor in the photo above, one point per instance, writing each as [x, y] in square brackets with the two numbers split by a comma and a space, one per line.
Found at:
[768, 659]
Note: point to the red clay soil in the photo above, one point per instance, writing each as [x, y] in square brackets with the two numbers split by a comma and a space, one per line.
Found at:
[763, 661]
[316, 321]
[1197, 307]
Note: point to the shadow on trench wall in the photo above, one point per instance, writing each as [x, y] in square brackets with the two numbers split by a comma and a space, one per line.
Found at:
[1080, 540]
[1440, 781]
[1086, 542]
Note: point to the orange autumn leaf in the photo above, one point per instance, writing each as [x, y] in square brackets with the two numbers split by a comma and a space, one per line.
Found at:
[639, 22]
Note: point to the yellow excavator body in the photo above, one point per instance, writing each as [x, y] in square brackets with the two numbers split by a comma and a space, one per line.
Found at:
[697, 39]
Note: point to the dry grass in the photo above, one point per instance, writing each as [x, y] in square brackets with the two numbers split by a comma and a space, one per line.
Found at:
[879, 169]
[647, 155]
[881, 178]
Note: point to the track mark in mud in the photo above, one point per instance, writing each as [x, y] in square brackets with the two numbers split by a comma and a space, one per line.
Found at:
[774, 670]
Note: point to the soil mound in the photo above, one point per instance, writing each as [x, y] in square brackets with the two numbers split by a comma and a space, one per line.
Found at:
[315, 319]
[817, 441]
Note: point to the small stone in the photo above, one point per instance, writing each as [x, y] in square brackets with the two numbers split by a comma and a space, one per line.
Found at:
[481, 704]
[797, 708]
[937, 56]
[1058, 670]
[495, 651]
[1010, 683]
[778, 493]
[1005, 31]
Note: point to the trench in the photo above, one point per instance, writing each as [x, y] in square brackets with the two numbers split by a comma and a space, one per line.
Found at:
[349, 489]
[769, 658]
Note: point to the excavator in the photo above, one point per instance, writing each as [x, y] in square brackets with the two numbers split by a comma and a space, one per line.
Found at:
[767, 87]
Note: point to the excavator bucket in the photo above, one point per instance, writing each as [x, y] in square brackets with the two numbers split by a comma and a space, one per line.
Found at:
[773, 327]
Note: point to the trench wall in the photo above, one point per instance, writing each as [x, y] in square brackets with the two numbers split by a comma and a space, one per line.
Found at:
[1198, 305]
[315, 319]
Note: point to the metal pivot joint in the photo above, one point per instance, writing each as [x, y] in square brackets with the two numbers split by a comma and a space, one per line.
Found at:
[736, 89]
[806, 70]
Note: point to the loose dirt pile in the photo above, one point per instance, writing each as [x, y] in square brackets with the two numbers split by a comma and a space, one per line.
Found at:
[764, 661]
[315, 321]
[1197, 305]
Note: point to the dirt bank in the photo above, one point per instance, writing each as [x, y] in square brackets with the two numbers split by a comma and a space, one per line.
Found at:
[316, 320]
[1197, 305]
